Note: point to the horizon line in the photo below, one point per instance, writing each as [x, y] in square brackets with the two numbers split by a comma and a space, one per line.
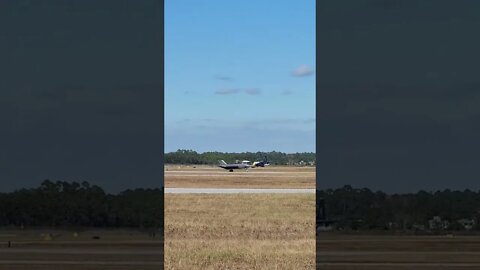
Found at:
[201, 152]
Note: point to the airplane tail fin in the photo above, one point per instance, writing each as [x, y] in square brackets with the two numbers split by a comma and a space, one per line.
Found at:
[222, 162]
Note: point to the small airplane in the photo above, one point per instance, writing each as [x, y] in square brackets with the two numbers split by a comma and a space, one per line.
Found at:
[261, 163]
[230, 167]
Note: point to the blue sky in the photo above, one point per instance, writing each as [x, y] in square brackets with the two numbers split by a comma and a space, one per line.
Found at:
[239, 75]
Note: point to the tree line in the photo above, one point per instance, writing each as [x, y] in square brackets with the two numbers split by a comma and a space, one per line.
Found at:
[64, 204]
[183, 156]
[363, 209]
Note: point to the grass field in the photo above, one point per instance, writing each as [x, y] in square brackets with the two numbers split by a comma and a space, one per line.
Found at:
[56, 249]
[240, 231]
[348, 252]
[215, 177]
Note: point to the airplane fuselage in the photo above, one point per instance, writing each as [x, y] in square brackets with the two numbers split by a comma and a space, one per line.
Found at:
[232, 167]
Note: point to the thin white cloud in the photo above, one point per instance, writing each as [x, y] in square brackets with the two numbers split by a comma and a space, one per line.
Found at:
[276, 122]
[230, 91]
[223, 78]
[227, 91]
[302, 71]
[253, 91]
[220, 139]
[281, 123]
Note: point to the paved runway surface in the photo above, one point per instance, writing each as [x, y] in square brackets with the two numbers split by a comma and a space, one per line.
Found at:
[398, 265]
[397, 252]
[237, 190]
[82, 262]
[236, 173]
[277, 177]
[75, 255]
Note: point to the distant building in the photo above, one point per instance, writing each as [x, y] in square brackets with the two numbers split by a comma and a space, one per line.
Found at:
[466, 223]
[418, 227]
[324, 227]
[392, 225]
[436, 223]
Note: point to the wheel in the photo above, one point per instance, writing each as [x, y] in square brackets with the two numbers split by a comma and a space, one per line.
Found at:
[231, 170]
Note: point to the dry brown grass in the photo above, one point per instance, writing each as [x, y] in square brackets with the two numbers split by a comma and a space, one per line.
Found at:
[214, 177]
[344, 252]
[240, 231]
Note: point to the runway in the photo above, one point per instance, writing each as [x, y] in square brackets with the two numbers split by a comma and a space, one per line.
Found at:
[278, 177]
[237, 173]
[238, 190]
[397, 265]
[79, 263]
[29, 252]
[397, 252]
